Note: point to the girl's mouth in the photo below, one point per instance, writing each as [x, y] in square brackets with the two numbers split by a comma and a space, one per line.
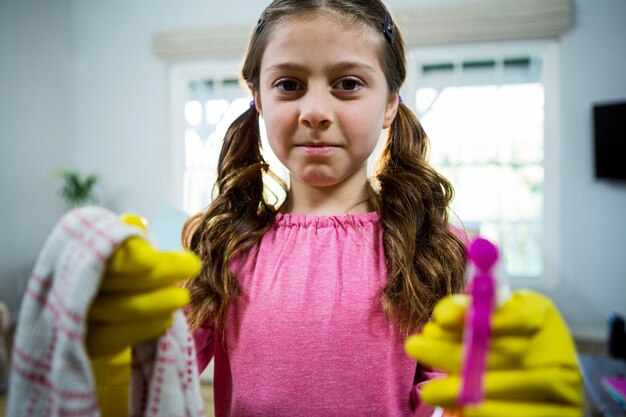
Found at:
[321, 149]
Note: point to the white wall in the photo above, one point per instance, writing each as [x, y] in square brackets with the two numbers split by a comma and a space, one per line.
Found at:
[593, 222]
[120, 90]
[36, 72]
[110, 107]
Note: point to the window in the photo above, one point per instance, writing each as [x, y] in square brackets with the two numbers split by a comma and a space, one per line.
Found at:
[207, 98]
[490, 111]
[214, 104]
[484, 110]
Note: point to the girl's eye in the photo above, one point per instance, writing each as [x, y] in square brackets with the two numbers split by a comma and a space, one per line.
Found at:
[287, 85]
[349, 84]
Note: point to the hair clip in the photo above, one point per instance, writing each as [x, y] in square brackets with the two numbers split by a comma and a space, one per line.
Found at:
[389, 29]
[261, 23]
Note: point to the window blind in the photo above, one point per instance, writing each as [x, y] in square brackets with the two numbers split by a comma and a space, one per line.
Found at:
[463, 22]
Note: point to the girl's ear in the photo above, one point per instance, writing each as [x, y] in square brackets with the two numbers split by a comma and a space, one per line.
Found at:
[391, 111]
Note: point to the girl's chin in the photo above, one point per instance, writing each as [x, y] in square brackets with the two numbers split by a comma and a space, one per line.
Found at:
[323, 182]
[316, 180]
[324, 176]
[319, 183]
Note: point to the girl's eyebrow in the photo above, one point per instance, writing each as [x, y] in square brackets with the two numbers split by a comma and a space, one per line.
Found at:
[350, 65]
[334, 67]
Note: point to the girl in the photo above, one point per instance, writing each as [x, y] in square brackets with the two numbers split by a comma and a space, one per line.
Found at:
[304, 307]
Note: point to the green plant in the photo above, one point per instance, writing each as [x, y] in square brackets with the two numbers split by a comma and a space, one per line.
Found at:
[77, 189]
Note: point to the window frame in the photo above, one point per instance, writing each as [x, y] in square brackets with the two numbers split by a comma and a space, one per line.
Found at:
[548, 51]
[180, 75]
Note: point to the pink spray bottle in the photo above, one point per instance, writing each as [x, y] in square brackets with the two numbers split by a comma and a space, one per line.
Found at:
[486, 293]
[488, 288]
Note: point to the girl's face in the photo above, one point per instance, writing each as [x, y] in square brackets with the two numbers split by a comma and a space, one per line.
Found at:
[324, 98]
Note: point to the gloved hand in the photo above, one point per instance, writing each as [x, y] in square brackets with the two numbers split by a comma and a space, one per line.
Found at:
[532, 369]
[138, 295]
[135, 303]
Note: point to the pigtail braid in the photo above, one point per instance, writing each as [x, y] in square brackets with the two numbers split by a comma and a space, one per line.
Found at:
[425, 260]
[233, 222]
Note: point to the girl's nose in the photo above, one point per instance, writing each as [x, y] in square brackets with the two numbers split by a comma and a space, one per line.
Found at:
[315, 110]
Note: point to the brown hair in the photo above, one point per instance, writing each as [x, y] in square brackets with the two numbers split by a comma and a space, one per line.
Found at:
[424, 259]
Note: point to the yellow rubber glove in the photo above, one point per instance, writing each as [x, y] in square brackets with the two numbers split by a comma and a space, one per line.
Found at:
[138, 294]
[134, 304]
[532, 370]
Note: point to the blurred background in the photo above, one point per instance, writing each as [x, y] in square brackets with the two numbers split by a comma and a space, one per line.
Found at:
[138, 94]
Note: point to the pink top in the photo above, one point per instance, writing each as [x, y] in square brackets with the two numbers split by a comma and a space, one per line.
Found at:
[307, 336]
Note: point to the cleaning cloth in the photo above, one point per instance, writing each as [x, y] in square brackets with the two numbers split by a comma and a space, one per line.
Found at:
[50, 371]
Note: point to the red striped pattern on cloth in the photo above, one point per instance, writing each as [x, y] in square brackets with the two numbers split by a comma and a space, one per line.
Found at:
[50, 371]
